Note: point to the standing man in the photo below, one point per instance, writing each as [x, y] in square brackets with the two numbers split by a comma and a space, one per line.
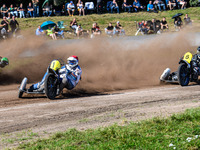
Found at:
[99, 6]
[4, 24]
[36, 8]
[14, 24]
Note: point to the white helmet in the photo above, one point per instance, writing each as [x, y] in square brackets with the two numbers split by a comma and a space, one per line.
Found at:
[72, 61]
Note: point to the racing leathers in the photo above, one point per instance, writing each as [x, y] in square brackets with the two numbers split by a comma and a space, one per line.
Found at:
[196, 65]
[69, 79]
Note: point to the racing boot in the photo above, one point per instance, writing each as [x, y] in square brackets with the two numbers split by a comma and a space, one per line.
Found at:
[195, 74]
[31, 88]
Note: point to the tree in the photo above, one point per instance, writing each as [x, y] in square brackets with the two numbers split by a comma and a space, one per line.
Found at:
[194, 2]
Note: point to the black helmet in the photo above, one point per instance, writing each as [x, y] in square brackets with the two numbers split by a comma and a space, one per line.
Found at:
[198, 49]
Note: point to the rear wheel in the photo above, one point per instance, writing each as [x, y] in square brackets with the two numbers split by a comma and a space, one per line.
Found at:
[183, 75]
[50, 86]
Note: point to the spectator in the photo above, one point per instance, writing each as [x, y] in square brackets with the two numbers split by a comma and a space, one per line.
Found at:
[187, 20]
[21, 11]
[30, 10]
[10, 11]
[164, 24]
[154, 26]
[35, 8]
[118, 29]
[109, 29]
[150, 7]
[79, 30]
[73, 24]
[144, 27]
[99, 6]
[39, 31]
[4, 10]
[183, 3]
[114, 6]
[172, 4]
[5, 23]
[50, 33]
[159, 3]
[126, 6]
[16, 11]
[80, 8]
[137, 6]
[178, 22]
[95, 30]
[14, 24]
[47, 10]
[70, 8]
[58, 32]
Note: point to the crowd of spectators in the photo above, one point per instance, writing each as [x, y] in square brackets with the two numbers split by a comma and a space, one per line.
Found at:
[32, 10]
[154, 26]
[158, 26]
[145, 27]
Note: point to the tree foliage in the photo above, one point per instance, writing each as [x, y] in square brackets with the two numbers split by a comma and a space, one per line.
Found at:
[194, 2]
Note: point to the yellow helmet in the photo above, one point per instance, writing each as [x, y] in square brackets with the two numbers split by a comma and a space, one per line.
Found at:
[55, 65]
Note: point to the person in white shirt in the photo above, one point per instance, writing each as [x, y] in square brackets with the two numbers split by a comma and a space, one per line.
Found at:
[70, 8]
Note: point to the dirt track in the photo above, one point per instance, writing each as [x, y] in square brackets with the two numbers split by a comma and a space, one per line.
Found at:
[114, 65]
[42, 115]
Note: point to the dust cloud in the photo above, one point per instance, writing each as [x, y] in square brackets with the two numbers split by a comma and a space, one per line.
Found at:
[107, 64]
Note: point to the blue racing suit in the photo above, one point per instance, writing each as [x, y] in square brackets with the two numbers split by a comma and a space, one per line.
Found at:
[69, 78]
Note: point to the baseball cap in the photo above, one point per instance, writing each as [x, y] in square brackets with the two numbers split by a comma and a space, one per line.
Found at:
[117, 21]
[71, 1]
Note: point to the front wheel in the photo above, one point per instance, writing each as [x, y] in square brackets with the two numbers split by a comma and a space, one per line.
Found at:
[50, 86]
[22, 87]
[183, 75]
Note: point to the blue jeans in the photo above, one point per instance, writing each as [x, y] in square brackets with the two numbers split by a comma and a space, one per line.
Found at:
[48, 13]
[4, 14]
[36, 11]
[113, 7]
[128, 7]
[61, 34]
[118, 33]
[14, 13]
[21, 13]
[159, 6]
[30, 13]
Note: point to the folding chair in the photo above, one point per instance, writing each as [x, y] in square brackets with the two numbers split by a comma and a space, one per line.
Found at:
[60, 25]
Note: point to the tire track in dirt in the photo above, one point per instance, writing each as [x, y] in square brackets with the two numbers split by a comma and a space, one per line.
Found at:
[46, 113]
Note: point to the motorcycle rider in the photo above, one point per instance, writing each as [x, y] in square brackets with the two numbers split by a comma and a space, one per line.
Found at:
[70, 74]
[3, 62]
[196, 64]
[166, 75]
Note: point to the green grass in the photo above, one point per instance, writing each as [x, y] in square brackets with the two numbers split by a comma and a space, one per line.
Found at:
[127, 20]
[157, 133]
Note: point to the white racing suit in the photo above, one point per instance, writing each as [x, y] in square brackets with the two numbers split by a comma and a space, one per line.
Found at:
[69, 79]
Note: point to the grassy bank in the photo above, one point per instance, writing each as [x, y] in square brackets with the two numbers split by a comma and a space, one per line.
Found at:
[180, 131]
[127, 20]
